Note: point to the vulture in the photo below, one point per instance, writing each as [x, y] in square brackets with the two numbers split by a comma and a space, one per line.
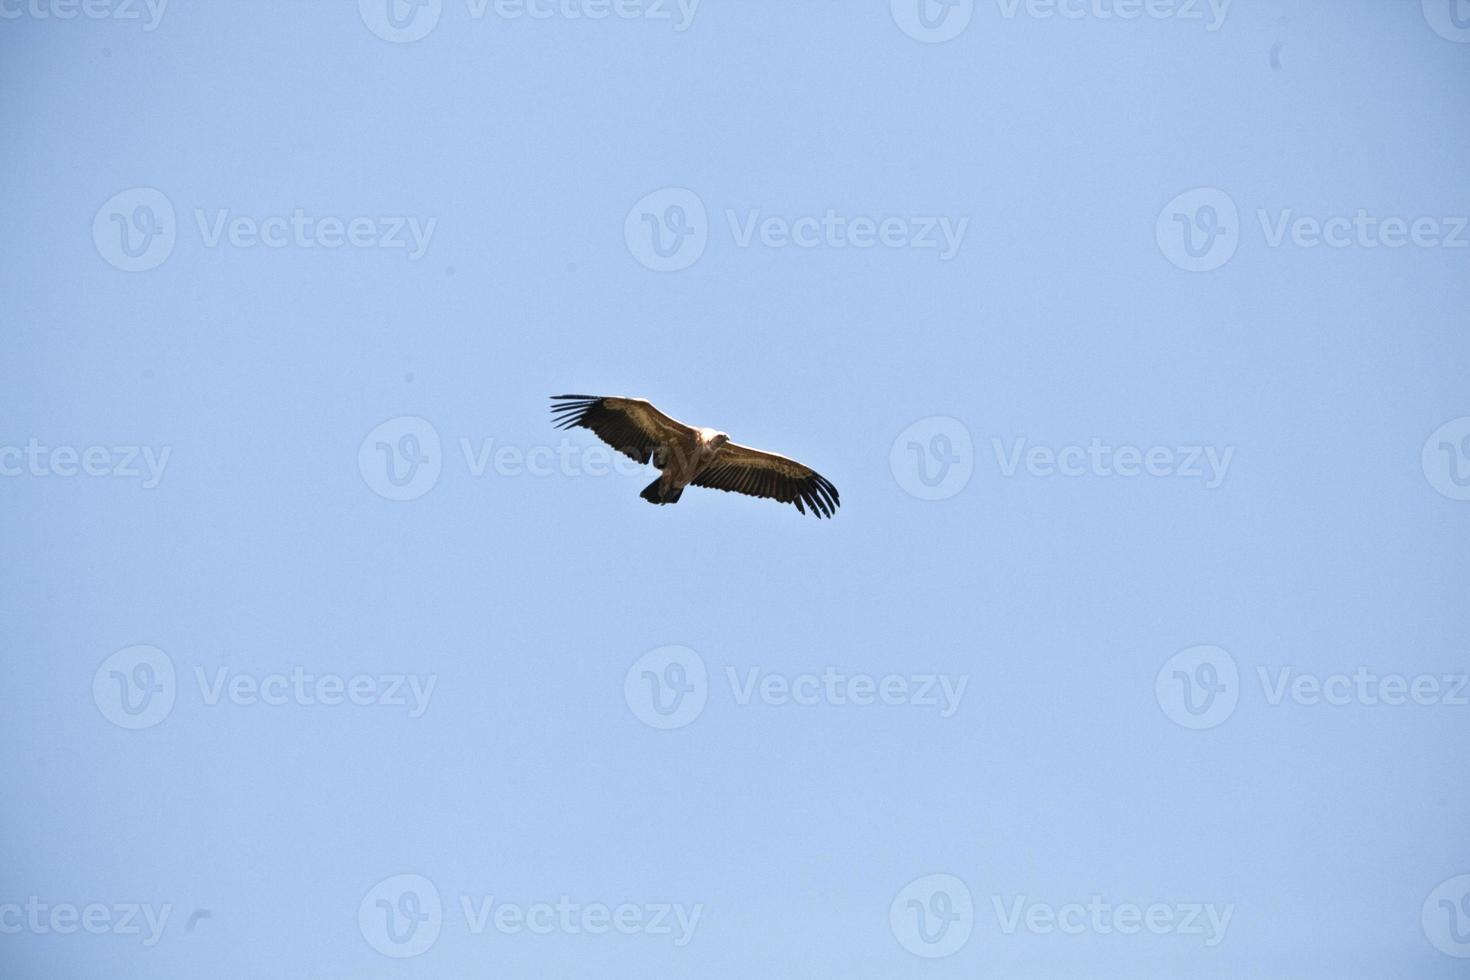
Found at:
[691, 456]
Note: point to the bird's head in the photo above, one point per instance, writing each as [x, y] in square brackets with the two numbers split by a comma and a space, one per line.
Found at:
[719, 440]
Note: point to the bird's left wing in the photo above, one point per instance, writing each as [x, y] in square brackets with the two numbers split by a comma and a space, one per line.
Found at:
[757, 473]
[632, 426]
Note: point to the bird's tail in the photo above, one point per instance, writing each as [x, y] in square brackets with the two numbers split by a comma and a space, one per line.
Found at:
[654, 495]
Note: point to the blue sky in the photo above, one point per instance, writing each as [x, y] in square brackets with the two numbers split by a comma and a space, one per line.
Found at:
[1133, 336]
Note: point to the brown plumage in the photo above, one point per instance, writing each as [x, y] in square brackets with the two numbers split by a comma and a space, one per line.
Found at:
[691, 456]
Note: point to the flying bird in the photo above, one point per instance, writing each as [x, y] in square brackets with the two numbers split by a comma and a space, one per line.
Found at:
[691, 456]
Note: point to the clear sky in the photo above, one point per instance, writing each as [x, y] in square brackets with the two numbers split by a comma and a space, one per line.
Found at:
[1136, 346]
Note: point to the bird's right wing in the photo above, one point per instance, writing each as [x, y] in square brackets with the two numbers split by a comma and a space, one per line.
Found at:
[757, 473]
[632, 426]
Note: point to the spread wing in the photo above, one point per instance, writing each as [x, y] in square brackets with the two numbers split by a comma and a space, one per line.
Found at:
[630, 425]
[756, 473]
